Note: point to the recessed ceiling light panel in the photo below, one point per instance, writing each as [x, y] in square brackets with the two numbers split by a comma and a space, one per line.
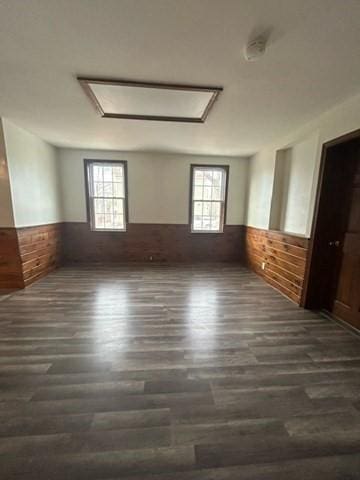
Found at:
[150, 101]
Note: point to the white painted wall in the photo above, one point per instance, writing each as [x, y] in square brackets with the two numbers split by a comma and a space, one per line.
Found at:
[34, 177]
[280, 189]
[261, 176]
[306, 144]
[6, 208]
[302, 160]
[158, 185]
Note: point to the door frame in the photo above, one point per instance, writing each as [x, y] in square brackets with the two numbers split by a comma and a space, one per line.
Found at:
[309, 287]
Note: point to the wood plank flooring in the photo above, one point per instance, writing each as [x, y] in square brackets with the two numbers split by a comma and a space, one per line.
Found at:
[173, 372]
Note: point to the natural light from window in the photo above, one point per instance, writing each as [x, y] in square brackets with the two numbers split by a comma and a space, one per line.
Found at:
[208, 199]
[107, 195]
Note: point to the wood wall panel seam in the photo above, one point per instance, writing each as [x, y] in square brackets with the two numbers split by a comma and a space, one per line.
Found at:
[292, 250]
[287, 276]
[290, 268]
[284, 237]
[284, 256]
[40, 250]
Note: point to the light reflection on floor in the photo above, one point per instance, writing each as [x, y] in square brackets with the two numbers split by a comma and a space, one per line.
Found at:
[111, 304]
[202, 315]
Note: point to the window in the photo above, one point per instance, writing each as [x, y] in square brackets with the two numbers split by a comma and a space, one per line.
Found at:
[107, 189]
[208, 197]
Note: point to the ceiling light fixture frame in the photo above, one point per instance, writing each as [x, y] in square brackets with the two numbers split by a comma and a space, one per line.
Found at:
[85, 82]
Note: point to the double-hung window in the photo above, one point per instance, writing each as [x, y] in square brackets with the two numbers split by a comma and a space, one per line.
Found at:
[208, 198]
[107, 194]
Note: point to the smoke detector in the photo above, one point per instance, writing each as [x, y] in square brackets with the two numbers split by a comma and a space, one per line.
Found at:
[255, 48]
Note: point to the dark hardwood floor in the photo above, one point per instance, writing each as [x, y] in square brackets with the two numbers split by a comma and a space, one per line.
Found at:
[173, 373]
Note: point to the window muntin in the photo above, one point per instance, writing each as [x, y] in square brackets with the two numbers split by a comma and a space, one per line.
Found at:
[208, 198]
[107, 195]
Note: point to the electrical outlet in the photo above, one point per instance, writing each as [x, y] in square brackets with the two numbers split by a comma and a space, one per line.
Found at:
[263, 265]
[151, 258]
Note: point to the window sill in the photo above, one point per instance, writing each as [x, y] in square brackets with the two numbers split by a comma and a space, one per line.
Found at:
[109, 230]
[207, 232]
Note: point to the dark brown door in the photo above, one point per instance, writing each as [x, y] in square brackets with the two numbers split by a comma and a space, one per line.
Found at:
[333, 272]
[346, 303]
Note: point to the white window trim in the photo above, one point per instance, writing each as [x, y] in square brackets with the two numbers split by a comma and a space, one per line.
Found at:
[223, 203]
[89, 163]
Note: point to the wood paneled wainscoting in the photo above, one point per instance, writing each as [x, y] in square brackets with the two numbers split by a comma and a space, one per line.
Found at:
[40, 250]
[11, 277]
[156, 242]
[29, 253]
[284, 258]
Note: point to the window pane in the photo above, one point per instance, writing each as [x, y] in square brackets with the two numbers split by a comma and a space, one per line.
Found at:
[198, 208]
[107, 194]
[217, 175]
[108, 202]
[99, 205]
[215, 223]
[199, 177]
[208, 196]
[118, 189]
[206, 208]
[117, 174]
[198, 193]
[206, 223]
[207, 193]
[99, 220]
[208, 177]
[108, 221]
[98, 173]
[99, 189]
[118, 206]
[108, 174]
[197, 222]
[108, 189]
[216, 193]
[216, 207]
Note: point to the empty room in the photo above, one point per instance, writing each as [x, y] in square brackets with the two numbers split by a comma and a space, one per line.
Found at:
[179, 239]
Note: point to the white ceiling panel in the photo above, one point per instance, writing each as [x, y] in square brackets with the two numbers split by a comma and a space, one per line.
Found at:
[122, 99]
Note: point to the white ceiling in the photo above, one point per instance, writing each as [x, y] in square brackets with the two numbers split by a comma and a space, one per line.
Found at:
[312, 62]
